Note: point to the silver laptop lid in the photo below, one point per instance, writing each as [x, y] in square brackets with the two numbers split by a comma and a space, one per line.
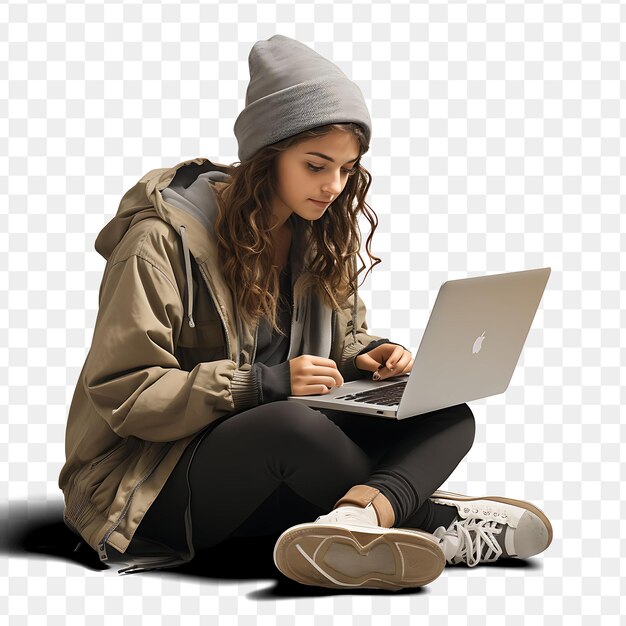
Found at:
[473, 339]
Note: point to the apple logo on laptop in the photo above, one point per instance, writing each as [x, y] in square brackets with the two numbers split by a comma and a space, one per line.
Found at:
[478, 344]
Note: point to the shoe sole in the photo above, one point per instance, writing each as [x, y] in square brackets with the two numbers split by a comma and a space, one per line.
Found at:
[348, 556]
[448, 495]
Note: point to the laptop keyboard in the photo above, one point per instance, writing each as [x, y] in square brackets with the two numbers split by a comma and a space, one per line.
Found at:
[389, 395]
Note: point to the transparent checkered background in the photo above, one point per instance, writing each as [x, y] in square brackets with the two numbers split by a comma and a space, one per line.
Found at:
[497, 146]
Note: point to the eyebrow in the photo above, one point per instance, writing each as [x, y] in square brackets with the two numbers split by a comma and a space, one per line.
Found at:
[324, 156]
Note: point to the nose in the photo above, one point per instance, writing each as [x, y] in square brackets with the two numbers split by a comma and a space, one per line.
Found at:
[332, 185]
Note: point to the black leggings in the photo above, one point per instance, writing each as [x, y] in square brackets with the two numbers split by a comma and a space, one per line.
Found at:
[265, 469]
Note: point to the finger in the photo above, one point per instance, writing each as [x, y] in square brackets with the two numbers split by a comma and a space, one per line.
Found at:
[332, 381]
[331, 371]
[314, 389]
[318, 390]
[336, 377]
[327, 372]
[407, 368]
[400, 367]
[320, 360]
[395, 359]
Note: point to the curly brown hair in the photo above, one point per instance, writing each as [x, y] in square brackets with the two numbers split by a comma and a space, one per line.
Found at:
[246, 248]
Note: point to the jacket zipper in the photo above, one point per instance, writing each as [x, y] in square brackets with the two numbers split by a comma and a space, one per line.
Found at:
[294, 318]
[332, 333]
[102, 545]
[256, 333]
[217, 308]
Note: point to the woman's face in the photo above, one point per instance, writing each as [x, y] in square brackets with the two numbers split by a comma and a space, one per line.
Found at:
[303, 177]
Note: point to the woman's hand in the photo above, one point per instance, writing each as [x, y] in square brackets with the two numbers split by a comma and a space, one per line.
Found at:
[385, 361]
[313, 375]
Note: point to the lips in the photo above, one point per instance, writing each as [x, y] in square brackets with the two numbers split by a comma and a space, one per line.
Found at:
[320, 202]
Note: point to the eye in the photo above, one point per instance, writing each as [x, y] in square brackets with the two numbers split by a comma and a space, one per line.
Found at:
[313, 168]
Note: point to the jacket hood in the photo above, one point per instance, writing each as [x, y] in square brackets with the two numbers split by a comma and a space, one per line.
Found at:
[183, 197]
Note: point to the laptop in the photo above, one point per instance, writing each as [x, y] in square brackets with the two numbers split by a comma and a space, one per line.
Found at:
[469, 349]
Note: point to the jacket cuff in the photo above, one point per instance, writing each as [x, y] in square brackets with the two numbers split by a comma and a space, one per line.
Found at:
[348, 368]
[275, 381]
[245, 389]
[355, 371]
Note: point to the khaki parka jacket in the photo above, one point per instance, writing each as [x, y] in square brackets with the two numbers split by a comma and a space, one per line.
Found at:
[169, 355]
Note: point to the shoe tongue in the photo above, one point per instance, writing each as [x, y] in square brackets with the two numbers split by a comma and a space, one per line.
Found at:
[499, 537]
[450, 545]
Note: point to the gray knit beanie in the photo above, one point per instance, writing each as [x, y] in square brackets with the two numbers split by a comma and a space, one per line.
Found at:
[292, 89]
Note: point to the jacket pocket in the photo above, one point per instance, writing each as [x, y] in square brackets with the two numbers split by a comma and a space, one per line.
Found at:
[207, 333]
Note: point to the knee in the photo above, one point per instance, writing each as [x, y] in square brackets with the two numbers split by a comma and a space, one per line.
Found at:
[294, 419]
[467, 425]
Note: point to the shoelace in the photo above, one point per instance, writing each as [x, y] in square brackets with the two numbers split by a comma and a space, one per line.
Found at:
[472, 551]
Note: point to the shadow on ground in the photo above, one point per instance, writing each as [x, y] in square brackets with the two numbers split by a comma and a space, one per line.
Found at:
[38, 528]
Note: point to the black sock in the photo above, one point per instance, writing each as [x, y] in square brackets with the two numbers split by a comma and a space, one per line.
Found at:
[430, 516]
[442, 516]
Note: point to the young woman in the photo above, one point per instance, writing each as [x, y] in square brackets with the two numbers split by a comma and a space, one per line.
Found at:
[227, 289]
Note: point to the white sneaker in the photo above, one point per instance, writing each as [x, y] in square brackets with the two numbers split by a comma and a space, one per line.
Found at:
[489, 528]
[346, 549]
